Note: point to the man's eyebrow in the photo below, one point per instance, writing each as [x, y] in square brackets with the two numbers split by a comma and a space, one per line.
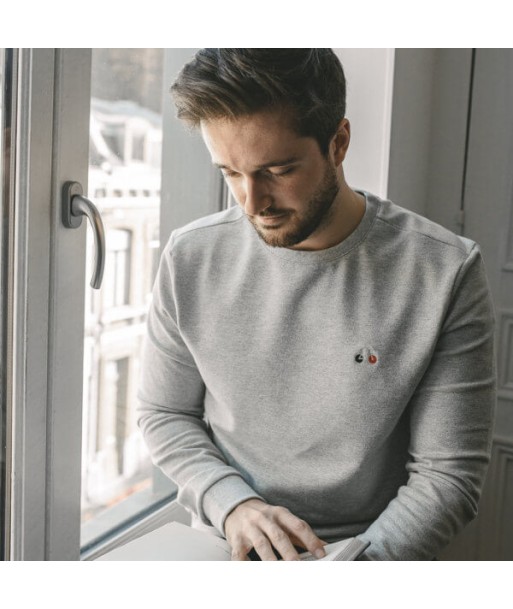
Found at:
[280, 163]
[277, 163]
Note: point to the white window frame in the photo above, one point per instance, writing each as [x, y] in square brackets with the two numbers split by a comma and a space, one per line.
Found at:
[45, 383]
[46, 405]
[26, 530]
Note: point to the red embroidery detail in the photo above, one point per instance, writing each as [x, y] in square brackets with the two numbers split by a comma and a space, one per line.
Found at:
[373, 359]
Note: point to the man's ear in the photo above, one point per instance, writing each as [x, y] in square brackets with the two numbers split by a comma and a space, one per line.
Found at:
[340, 142]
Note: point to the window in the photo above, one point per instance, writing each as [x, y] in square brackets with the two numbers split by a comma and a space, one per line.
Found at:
[116, 292]
[74, 370]
[118, 479]
[116, 463]
[154, 250]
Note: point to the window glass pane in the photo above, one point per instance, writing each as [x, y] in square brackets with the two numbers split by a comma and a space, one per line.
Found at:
[118, 479]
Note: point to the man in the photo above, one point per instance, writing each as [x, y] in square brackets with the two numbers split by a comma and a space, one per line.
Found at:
[319, 361]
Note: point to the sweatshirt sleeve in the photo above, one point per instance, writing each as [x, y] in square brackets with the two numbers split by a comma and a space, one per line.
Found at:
[170, 413]
[451, 415]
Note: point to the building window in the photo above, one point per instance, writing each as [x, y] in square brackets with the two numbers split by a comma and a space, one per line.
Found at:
[112, 422]
[119, 482]
[117, 268]
[155, 255]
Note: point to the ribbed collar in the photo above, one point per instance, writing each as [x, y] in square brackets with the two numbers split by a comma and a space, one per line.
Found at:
[331, 253]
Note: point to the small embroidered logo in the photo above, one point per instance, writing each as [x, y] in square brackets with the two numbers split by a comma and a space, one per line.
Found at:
[367, 354]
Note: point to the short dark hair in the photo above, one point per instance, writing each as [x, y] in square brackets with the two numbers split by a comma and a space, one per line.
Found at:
[230, 83]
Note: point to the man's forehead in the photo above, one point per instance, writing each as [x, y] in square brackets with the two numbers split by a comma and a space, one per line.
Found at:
[280, 115]
[258, 126]
[261, 140]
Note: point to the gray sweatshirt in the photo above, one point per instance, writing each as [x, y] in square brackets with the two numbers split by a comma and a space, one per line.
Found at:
[353, 385]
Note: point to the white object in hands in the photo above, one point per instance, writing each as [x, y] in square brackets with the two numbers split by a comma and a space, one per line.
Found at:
[173, 541]
[347, 549]
[177, 541]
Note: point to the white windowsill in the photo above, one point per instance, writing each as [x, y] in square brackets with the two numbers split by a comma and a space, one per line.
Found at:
[172, 512]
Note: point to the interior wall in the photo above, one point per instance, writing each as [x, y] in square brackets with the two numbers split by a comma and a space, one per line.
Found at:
[370, 75]
[428, 132]
[451, 107]
[190, 184]
[410, 129]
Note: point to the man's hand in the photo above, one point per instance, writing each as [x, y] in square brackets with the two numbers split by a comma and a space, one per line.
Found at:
[256, 524]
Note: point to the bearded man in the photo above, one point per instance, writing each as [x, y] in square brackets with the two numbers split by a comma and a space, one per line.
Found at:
[319, 361]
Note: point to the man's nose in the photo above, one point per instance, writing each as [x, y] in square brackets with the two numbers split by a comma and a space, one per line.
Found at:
[256, 196]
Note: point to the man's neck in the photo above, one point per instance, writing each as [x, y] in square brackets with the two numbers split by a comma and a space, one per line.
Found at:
[345, 215]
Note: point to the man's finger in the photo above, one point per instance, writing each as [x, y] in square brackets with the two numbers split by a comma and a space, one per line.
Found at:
[282, 542]
[240, 549]
[263, 547]
[239, 555]
[302, 532]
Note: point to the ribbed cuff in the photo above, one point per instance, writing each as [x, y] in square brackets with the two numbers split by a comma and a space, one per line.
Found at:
[224, 496]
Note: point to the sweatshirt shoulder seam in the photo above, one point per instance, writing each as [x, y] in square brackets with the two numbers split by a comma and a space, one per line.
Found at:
[185, 231]
[461, 270]
[412, 230]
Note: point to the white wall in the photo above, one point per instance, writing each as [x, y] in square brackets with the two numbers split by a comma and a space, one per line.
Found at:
[370, 79]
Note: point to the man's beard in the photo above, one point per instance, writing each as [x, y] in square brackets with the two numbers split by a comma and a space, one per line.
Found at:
[297, 229]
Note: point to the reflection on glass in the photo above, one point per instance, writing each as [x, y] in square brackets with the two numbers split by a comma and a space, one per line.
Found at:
[118, 480]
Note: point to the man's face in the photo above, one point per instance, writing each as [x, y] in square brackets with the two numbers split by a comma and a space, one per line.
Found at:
[281, 180]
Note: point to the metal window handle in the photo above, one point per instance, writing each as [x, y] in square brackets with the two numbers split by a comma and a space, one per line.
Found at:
[74, 206]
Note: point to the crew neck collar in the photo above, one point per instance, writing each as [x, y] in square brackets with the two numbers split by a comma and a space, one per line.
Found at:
[330, 253]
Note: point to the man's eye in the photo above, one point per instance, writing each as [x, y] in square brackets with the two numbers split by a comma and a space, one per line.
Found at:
[277, 174]
[284, 172]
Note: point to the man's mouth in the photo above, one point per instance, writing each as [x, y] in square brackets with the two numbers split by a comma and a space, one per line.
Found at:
[271, 219]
